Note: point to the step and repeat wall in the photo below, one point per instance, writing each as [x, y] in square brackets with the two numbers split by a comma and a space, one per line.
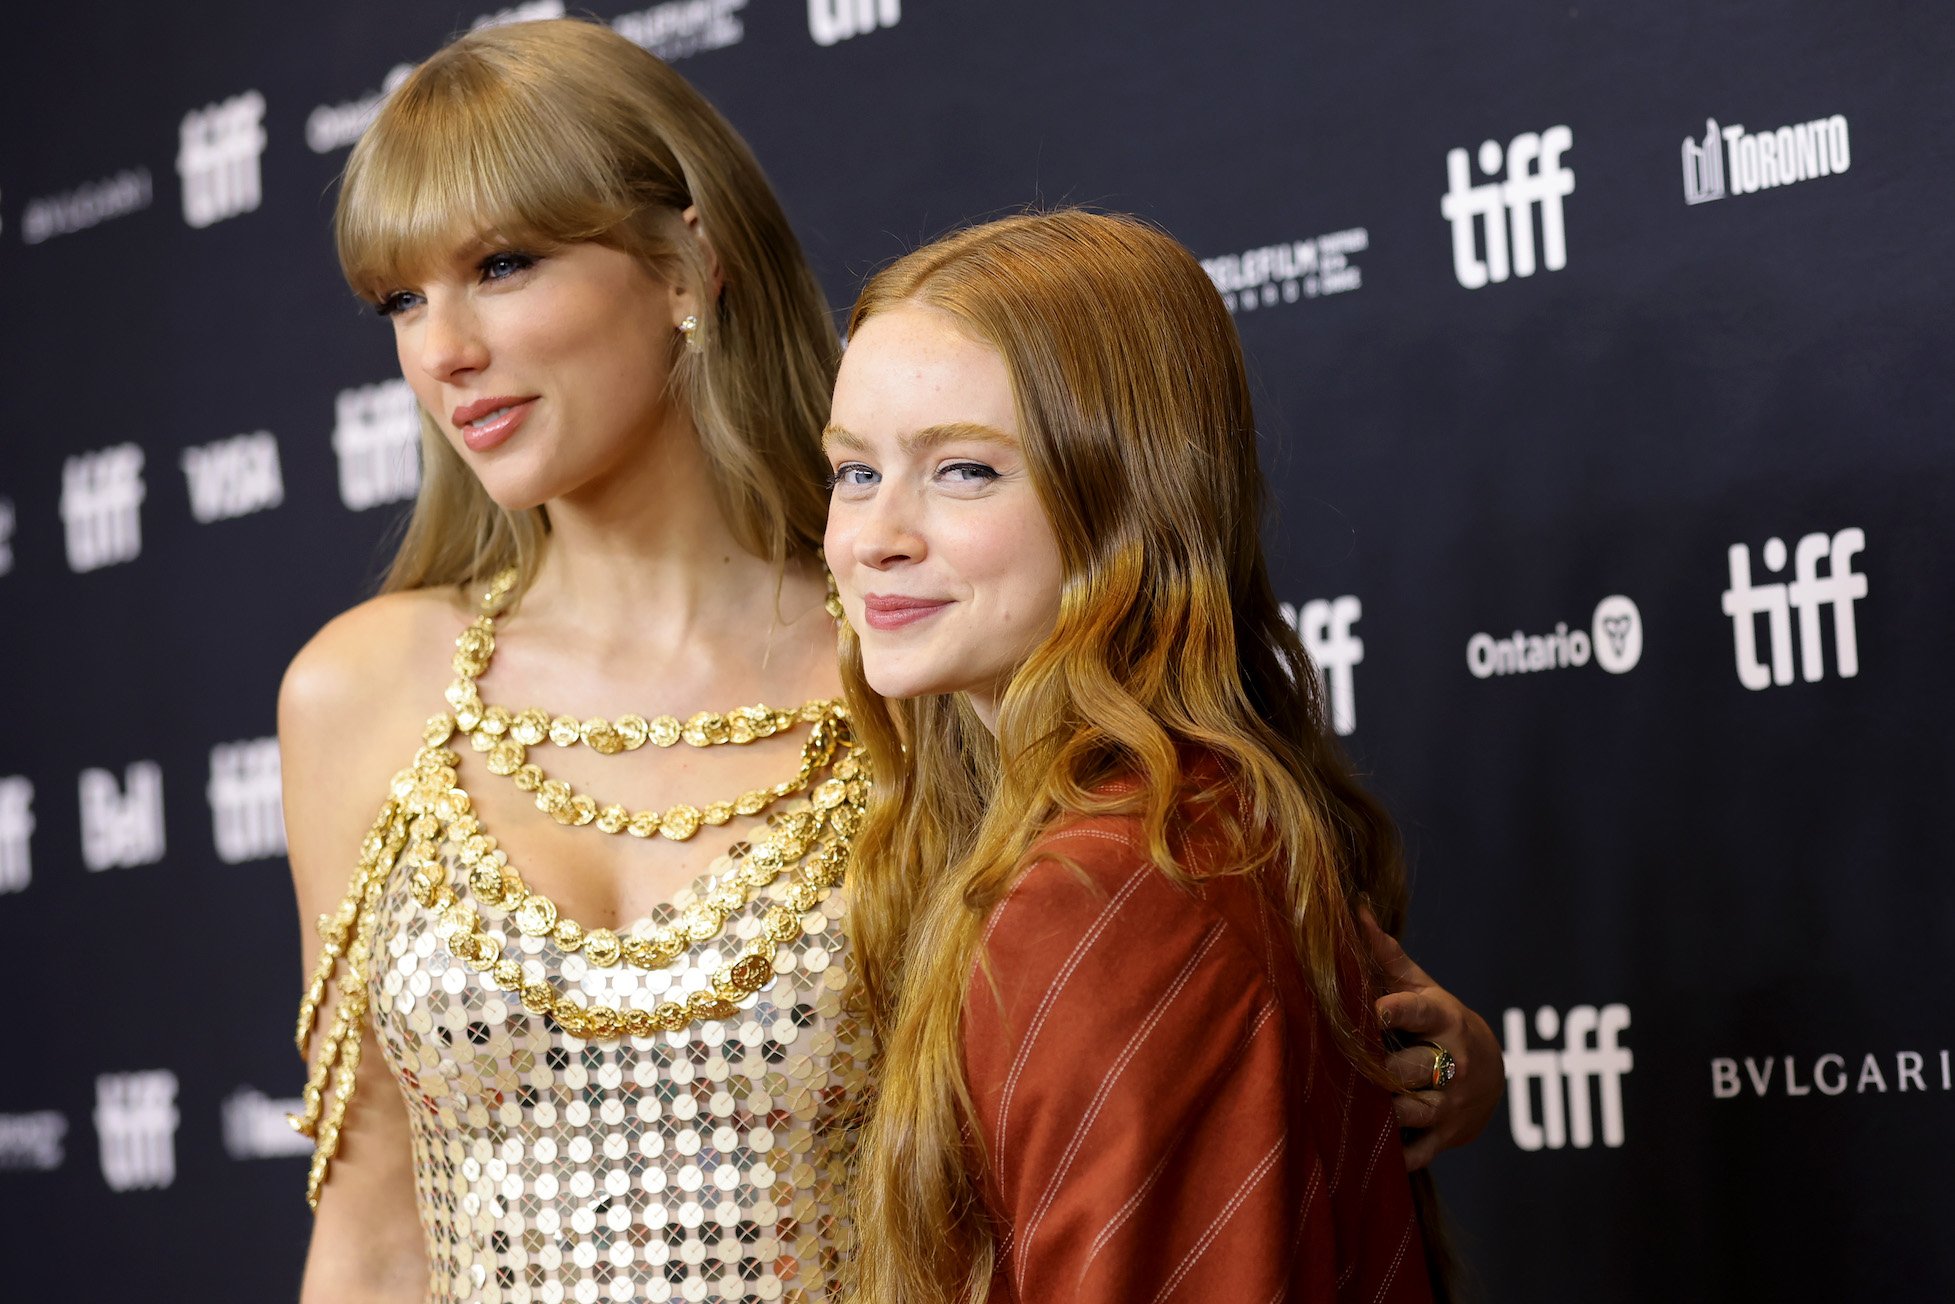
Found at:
[1601, 361]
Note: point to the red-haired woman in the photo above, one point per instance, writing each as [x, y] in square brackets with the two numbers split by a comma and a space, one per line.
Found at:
[1106, 906]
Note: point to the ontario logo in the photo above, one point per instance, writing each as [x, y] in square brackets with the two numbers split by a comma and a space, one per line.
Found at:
[1613, 641]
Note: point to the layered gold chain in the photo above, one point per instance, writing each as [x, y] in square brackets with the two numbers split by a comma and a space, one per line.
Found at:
[505, 737]
[428, 827]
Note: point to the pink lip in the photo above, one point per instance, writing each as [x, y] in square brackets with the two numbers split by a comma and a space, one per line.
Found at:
[481, 438]
[890, 612]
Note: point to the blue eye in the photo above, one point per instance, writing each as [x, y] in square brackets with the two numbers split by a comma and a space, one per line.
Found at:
[501, 266]
[970, 472]
[850, 475]
[397, 302]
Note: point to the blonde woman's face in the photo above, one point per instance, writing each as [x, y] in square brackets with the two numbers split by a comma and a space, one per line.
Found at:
[545, 372]
[948, 567]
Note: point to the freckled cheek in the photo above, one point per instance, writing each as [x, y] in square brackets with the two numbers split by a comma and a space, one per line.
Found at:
[1014, 572]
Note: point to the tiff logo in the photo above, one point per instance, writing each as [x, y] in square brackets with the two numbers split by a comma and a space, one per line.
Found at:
[830, 21]
[6, 535]
[1744, 602]
[1566, 1108]
[218, 152]
[101, 507]
[377, 437]
[135, 1120]
[1325, 628]
[122, 825]
[32, 1141]
[1504, 210]
[16, 832]
[258, 1127]
[233, 477]
[247, 819]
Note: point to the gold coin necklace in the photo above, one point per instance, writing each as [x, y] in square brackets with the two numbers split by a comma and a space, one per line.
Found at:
[428, 822]
[505, 737]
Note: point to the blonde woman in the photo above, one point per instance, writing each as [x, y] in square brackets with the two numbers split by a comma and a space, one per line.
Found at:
[592, 937]
[1105, 907]
[575, 1023]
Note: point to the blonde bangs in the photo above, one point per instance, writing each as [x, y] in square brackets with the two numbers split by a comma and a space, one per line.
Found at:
[464, 153]
[539, 134]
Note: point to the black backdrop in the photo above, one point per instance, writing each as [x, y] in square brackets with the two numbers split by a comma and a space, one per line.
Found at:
[1712, 920]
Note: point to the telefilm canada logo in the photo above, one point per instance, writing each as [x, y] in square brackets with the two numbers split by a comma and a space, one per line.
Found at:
[830, 21]
[1326, 627]
[1807, 593]
[1613, 641]
[1733, 161]
[1493, 220]
[1573, 1086]
[1289, 272]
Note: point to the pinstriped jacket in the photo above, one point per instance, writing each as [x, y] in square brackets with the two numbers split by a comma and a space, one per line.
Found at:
[1164, 1114]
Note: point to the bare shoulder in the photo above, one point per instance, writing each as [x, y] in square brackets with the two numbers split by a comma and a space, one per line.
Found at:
[350, 711]
[378, 656]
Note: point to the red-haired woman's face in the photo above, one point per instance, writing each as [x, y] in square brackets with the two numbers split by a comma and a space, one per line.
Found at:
[948, 567]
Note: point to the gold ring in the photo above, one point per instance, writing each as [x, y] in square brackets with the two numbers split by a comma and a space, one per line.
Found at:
[1444, 1066]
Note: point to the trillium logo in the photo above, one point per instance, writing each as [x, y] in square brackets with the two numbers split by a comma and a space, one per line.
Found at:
[1613, 641]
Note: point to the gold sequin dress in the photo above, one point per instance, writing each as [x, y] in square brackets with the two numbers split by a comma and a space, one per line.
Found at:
[695, 1164]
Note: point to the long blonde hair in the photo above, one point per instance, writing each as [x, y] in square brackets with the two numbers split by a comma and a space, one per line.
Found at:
[1135, 418]
[550, 132]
